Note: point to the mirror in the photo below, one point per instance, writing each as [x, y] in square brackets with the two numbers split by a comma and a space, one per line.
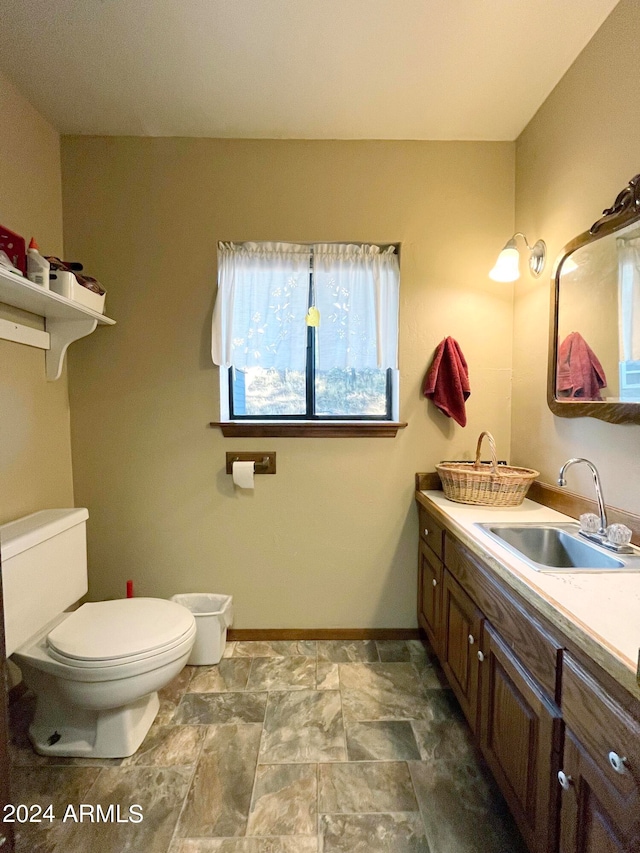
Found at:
[594, 342]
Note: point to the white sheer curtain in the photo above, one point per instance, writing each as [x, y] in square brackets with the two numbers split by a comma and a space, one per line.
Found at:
[263, 292]
[629, 298]
[263, 296]
[356, 292]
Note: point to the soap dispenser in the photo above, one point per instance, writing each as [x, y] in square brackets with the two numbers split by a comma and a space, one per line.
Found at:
[37, 266]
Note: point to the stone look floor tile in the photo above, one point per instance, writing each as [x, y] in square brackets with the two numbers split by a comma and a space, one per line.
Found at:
[158, 791]
[352, 788]
[168, 746]
[171, 695]
[443, 735]
[204, 709]
[381, 741]
[382, 691]
[273, 649]
[291, 673]
[303, 726]
[327, 676]
[284, 800]
[230, 675]
[462, 809]
[374, 833]
[201, 756]
[344, 651]
[220, 794]
[299, 844]
[395, 651]
[44, 786]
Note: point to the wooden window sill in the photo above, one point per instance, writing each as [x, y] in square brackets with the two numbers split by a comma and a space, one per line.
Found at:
[306, 429]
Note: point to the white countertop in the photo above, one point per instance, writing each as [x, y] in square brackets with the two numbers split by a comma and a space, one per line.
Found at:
[602, 607]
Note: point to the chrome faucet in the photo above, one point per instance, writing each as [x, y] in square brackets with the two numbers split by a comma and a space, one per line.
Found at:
[602, 532]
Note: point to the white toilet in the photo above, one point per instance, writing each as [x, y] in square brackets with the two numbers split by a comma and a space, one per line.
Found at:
[96, 670]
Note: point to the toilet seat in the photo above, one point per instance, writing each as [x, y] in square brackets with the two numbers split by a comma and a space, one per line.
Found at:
[112, 633]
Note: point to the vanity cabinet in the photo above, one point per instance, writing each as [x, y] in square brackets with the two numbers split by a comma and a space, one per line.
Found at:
[560, 737]
[520, 738]
[430, 575]
[600, 776]
[430, 595]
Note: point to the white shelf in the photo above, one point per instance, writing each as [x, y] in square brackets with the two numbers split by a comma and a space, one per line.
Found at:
[65, 321]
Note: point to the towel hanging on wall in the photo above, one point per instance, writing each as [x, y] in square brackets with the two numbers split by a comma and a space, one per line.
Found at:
[447, 381]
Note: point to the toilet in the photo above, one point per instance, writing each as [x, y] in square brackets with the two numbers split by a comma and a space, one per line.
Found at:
[95, 671]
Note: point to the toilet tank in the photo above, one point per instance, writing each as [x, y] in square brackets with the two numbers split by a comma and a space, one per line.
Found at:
[44, 570]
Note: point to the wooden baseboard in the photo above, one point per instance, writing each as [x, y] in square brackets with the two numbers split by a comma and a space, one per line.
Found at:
[269, 634]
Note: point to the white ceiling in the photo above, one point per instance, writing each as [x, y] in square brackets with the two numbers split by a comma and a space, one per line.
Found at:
[321, 69]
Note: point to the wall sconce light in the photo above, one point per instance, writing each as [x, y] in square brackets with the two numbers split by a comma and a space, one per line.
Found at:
[506, 268]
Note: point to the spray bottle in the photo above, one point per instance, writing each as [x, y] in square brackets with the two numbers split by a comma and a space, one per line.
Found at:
[37, 266]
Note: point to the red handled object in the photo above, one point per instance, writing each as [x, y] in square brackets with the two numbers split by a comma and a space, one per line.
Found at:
[13, 245]
[129, 589]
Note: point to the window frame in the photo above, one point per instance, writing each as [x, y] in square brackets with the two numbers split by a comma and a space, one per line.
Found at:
[392, 393]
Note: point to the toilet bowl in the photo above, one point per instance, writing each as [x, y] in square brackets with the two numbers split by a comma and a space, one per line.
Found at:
[96, 673]
[96, 670]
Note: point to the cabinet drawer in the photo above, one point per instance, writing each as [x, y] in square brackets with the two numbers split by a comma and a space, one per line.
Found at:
[606, 730]
[430, 531]
[536, 648]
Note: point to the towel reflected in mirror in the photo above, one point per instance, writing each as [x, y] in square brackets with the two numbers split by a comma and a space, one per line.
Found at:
[579, 373]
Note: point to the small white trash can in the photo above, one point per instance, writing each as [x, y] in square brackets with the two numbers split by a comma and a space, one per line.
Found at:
[213, 615]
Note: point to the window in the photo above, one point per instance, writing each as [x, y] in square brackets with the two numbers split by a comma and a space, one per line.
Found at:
[307, 332]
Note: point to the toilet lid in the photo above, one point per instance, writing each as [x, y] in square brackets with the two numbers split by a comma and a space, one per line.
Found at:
[108, 630]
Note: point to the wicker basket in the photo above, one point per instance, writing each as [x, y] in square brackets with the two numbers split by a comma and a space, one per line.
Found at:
[489, 485]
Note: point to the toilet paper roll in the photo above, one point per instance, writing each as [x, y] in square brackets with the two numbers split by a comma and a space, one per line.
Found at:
[243, 474]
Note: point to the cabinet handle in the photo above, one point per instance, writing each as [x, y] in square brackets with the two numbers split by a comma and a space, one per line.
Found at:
[565, 781]
[618, 763]
[480, 656]
[434, 582]
[426, 531]
[471, 639]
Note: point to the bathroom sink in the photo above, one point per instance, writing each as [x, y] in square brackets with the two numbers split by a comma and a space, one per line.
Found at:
[559, 548]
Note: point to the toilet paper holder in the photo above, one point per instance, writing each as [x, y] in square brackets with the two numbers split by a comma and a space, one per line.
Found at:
[265, 461]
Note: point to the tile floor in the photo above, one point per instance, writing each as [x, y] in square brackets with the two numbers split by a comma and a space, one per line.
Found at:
[284, 747]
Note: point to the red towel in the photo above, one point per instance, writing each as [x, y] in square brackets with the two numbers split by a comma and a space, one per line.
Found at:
[580, 374]
[447, 381]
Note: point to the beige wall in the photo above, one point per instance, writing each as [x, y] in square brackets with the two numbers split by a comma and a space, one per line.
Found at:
[330, 541]
[579, 150]
[35, 449]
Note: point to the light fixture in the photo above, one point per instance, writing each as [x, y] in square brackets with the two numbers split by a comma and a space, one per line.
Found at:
[506, 268]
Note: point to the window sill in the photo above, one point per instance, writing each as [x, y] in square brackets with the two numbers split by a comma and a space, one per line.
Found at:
[308, 429]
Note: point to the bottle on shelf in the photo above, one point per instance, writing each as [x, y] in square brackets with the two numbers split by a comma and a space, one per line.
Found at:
[37, 266]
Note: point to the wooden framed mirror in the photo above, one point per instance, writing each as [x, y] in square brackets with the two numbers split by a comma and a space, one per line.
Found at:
[594, 340]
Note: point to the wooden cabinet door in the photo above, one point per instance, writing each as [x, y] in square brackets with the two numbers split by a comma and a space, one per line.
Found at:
[603, 760]
[430, 595]
[520, 738]
[589, 821]
[461, 635]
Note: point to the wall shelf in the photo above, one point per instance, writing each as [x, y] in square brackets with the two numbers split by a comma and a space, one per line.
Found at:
[65, 321]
